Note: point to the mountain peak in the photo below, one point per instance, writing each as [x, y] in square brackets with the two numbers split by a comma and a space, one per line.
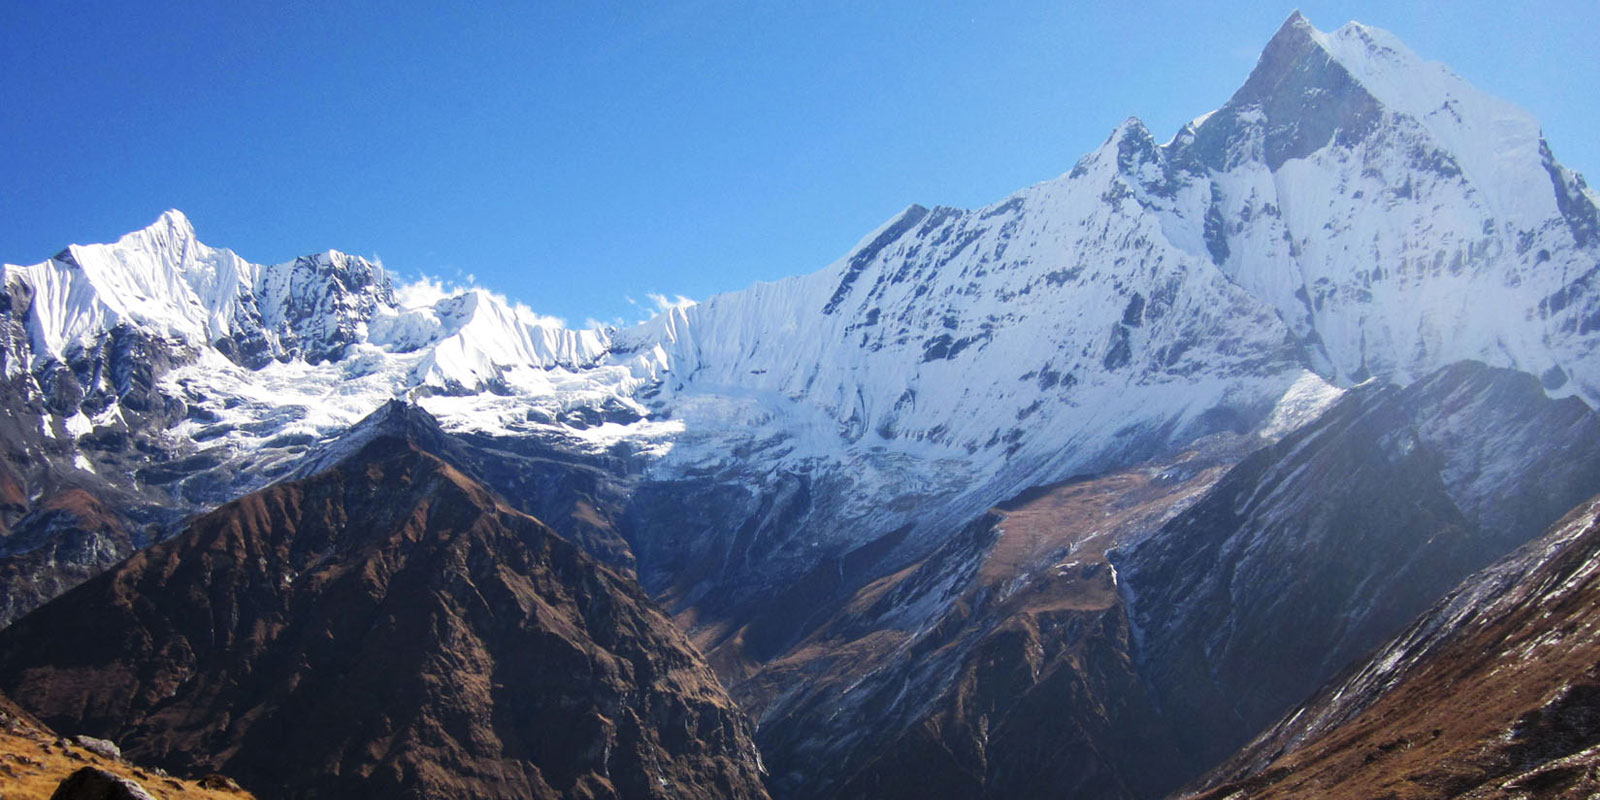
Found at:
[1295, 21]
[173, 226]
[389, 629]
[1301, 95]
[397, 420]
[174, 217]
[172, 233]
[1281, 58]
[1297, 36]
[1130, 126]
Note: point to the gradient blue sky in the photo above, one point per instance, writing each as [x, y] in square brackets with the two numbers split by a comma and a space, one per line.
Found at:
[574, 154]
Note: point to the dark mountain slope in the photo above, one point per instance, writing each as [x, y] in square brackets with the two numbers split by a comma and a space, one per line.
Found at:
[1493, 693]
[64, 539]
[386, 628]
[1316, 550]
[998, 667]
[579, 495]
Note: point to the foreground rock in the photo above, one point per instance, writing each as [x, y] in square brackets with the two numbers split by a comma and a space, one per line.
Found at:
[92, 783]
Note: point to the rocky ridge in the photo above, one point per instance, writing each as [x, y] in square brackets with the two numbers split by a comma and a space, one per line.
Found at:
[1117, 634]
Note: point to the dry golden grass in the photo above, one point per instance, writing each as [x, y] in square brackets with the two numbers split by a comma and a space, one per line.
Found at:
[33, 762]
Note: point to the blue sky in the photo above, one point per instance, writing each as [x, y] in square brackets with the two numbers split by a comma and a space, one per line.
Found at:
[575, 154]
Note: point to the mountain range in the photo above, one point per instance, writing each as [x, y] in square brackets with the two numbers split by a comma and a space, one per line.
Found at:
[1072, 495]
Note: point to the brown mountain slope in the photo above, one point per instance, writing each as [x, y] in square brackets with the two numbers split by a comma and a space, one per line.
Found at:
[1494, 693]
[998, 667]
[387, 628]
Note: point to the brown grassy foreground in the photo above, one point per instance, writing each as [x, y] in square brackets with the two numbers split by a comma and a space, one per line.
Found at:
[34, 760]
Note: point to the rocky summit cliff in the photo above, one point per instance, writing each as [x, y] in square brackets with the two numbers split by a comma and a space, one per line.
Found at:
[384, 628]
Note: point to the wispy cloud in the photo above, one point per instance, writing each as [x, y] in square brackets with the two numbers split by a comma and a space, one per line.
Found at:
[664, 303]
[424, 291]
[428, 290]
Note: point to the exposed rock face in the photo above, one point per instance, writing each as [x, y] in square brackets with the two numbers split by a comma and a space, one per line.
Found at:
[1493, 693]
[386, 628]
[68, 538]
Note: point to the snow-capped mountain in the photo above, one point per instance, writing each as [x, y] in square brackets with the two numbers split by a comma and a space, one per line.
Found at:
[166, 283]
[804, 471]
[1352, 211]
[1397, 218]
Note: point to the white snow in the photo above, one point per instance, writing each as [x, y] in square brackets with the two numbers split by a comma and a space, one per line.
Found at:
[78, 425]
[1304, 401]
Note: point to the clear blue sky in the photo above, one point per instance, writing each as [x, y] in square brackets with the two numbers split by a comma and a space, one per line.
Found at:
[572, 153]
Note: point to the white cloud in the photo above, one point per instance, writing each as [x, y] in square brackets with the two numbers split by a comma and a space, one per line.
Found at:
[428, 290]
[528, 316]
[596, 324]
[664, 303]
[425, 291]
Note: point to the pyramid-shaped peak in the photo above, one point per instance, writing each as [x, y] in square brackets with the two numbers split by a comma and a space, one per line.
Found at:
[1285, 51]
[1371, 58]
[401, 419]
[397, 421]
[172, 217]
[174, 223]
[1296, 20]
[1310, 88]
